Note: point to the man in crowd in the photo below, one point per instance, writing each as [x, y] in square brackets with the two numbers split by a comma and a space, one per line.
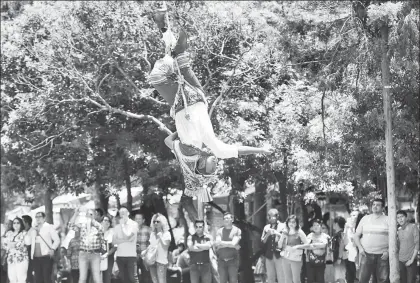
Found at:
[227, 241]
[27, 221]
[143, 236]
[91, 240]
[125, 237]
[371, 238]
[199, 245]
[408, 242]
[44, 241]
[270, 238]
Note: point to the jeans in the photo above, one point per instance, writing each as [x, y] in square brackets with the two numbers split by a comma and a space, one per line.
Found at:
[158, 272]
[350, 271]
[292, 270]
[93, 260]
[228, 270]
[408, 274]
[200, 273]
[75, 274]
[274, 268]
[315, 273]
[128, 269]
[107, 274]
[373, 264]
[43, 267]
[17, 272]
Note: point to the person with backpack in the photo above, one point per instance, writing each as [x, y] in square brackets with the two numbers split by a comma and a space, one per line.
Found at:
[316, 251]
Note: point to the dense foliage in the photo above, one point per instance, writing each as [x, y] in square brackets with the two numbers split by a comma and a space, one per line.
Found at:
[303, 77]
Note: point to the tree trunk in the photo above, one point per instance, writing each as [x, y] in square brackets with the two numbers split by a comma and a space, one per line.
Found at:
[127, 180]
[390, 173]
[260, 201]
[281, 177]
[2, 208]
[48, 207]
[100, 198]
[129, 195]
[246, 274]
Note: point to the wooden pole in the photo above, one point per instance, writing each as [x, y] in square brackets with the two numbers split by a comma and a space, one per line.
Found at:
[390, 173]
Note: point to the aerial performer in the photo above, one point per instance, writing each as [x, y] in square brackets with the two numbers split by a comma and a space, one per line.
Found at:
[174, 79]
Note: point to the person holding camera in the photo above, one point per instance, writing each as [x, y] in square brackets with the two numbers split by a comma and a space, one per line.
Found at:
[270, 238]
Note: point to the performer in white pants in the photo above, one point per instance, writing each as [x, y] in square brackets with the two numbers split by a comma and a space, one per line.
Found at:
[175, 81]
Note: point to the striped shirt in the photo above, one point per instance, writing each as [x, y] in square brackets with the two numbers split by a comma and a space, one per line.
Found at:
[374, 231]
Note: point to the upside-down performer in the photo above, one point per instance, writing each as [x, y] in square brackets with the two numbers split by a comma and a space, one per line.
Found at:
[175, 81]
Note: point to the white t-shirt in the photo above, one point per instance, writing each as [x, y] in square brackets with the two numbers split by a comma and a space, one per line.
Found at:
[161, 251]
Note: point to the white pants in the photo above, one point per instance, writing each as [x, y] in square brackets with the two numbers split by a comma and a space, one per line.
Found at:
[17, 272]
[199, 130]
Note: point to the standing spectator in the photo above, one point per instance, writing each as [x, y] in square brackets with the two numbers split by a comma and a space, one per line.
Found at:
[108, 236]
[199, 245]
[173, 268]
[160, 238]
[63, 266]
[27, 221]
[91, 238]
[73, 254]
[270, 238]
[180, 248]
[329, 269]
[17, 253]
[292, 241]
[350, 247]
[44, 242]
[143, 237]
[183, 264]
[338, 250]
[227, 244]
[99, 215]
[408, 242]
[125, 237]
[372, 240]
[316, 253]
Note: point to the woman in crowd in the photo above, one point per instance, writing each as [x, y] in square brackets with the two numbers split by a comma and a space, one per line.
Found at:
[17, 254]
[316, 253]
[108, 234]
[160, 238]
[292, 241]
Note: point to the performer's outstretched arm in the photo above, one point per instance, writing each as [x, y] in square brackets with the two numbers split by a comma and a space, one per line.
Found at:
[247, 150]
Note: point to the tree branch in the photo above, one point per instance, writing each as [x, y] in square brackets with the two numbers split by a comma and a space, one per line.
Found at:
[142, 95]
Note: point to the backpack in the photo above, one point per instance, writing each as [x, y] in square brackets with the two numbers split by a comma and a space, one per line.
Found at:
[335, 245]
